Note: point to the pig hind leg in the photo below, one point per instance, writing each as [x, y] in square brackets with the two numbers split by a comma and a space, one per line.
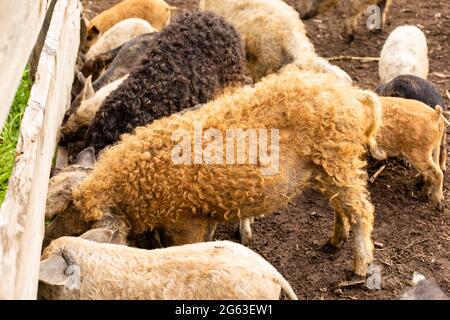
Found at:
[434, 178]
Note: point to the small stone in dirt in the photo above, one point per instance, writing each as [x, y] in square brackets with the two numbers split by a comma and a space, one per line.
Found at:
[323, 290]
[338, 292]
[378, 245]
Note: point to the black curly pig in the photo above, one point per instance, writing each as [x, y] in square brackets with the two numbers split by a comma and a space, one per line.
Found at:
[192, 60]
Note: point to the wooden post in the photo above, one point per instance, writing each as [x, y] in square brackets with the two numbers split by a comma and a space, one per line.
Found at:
[20, 23]
[36, 53]
[23, 210]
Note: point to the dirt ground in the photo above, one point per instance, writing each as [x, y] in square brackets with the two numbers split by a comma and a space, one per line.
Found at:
[414, 236]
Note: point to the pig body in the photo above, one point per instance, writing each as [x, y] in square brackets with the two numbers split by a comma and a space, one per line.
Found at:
[405, 52]
[118, 35]
[206, 271]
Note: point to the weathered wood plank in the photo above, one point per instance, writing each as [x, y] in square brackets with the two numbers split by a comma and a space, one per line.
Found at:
[20, 23]
[39, 45]
[22, 212]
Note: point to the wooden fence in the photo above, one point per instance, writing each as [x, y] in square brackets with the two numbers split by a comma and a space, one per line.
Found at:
[22, 212]
[20, 23]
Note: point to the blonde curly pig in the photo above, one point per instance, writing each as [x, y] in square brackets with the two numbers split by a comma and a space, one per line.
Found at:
[324, 127]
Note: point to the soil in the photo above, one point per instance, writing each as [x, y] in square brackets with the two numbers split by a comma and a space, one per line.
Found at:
[414, 237]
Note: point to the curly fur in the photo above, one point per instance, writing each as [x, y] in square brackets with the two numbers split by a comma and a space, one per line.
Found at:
[412, 87]
[157, 12]
[122, 61]
[273, 34]
[190, 62]
[84, 114]
[324, 129]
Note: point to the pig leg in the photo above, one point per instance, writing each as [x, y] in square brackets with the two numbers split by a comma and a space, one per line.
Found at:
[357, 9]
[355, 206]
[211, 230]
[351, 204]
[360, 212]
[245, 230]
[384, 7]
[434, 178]
[316, 7]
[352, 21]
[443, 153]
[340, 234]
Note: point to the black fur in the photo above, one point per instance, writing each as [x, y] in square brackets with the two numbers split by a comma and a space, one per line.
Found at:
[126, 59]
[117, 63]
[191, 61]
[412, 87]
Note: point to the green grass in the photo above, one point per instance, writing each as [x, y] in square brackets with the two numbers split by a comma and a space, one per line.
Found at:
[10, 133]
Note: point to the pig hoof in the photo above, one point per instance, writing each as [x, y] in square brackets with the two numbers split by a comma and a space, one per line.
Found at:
[243, 237]
[329, 248]
[358, 279]
[377, 30]
[439, 207]
[350, 38]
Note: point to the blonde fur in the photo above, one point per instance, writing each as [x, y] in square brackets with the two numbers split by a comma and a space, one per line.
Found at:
[273, 34]
[206, 271]
[413, 131]
[377, 111]
[120, 33]
[157, 12]
[324, 127]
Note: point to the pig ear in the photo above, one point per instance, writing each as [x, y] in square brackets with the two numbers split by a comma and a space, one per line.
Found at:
[88, 91]
[56, 271]
[81, 78]
[86, 158]
[98, 235]
[53, 271]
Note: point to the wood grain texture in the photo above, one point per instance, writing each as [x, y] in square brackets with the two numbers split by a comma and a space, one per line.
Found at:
[20, 23]
[22, 212]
